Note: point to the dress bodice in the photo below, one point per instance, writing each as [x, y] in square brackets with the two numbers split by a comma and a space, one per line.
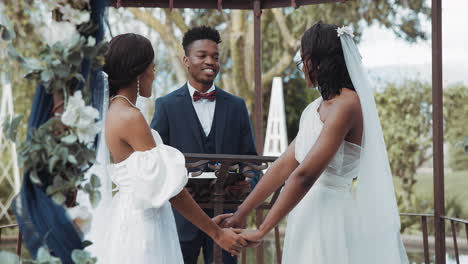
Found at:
[344, 166]
[151, 177]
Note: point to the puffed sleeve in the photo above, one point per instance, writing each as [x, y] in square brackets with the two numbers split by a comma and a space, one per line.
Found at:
[157, 175]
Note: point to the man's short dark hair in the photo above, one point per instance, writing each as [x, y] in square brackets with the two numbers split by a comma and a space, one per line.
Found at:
[198, 33]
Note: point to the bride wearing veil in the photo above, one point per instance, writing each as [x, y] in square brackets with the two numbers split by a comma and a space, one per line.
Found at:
[332, 219]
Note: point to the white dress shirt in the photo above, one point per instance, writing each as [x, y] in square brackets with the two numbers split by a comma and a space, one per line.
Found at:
[204, 108]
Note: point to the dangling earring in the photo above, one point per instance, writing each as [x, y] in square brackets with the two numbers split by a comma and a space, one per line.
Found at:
[138, 86]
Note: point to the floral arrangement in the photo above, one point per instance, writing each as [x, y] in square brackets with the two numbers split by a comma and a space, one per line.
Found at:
[61, 148]
[60, 152]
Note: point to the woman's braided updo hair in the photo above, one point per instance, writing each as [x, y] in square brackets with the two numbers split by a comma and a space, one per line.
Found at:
[128, 56]
[321, 51]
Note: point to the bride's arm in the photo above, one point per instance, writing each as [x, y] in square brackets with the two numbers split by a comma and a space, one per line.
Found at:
[225, 238]
[338, 124]
[270, 182]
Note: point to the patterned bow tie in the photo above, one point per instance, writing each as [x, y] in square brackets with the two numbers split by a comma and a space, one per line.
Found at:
[209, 96]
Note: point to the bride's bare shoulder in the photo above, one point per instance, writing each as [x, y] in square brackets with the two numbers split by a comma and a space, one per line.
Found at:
[124, 117]
[348, 99]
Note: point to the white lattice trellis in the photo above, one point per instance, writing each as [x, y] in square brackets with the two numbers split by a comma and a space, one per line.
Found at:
[276, 139]
[9, 171]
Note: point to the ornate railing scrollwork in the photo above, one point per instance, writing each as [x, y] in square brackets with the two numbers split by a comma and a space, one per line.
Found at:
[223, 191]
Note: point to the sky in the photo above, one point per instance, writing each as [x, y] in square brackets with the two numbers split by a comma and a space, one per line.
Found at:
[382, 50]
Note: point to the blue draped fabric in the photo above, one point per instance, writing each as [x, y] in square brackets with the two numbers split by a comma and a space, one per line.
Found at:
[43, 102]
[41, 221]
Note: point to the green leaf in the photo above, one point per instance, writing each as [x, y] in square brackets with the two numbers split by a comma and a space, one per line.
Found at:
[5, 33]
[59, 185]
[47, 75]
[62, 71]
[52, 162]
[88, 188]
[80, 256]
[95, 181]
[35, 147]
[72, 159]
[42, 254]
[10, 128]
[44, 257]
[12, 52]
[94, 198]
[70, 139]
[86, 243]
[59, 198]
[34, 177]
[75, 58]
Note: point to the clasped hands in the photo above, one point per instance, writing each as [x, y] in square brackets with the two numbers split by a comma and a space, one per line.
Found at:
[234, 236]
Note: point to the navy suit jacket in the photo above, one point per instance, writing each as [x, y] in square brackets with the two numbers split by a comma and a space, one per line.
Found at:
[176, 121]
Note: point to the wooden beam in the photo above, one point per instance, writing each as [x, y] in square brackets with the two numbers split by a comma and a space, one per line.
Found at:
[210, 4]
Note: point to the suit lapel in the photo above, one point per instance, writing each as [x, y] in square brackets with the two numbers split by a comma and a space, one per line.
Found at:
[220, 115]
[189, 115]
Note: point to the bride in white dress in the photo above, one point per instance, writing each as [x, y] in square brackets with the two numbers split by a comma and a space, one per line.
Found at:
[340, 139]
[137, 224]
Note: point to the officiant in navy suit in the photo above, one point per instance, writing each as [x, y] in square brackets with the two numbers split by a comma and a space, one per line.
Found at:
[200, 117]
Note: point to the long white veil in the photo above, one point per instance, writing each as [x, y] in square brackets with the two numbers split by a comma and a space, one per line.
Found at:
[97, 234]
[379, 220]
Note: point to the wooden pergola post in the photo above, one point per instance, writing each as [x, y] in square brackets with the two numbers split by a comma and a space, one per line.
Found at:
[258, 111]
[258, 108]
[438, 132]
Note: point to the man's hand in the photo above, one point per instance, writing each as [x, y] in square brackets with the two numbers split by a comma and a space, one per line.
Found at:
[234, 221]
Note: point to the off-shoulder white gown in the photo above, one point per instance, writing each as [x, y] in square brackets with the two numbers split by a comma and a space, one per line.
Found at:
[141, 226]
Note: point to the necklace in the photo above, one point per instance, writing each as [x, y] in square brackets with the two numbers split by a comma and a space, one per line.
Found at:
[124, 97]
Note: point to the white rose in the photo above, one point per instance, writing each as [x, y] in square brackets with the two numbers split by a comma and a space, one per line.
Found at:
[72, 112]
[87, 116]
[81, 117]
[62, 31]
[88, 133]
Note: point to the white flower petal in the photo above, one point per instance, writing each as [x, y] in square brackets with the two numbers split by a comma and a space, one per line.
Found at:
[88, 133]
[76, 100]
[62, 31]
[87, 117]
[91, 41]
[345, 30]
[70, 116]
[91, 112]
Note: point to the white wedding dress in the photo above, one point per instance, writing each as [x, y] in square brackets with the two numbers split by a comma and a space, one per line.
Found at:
[338, 222]
[323, 228]
[141, 227]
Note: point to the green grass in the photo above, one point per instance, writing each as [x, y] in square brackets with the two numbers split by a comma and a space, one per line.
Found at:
[456, 188]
